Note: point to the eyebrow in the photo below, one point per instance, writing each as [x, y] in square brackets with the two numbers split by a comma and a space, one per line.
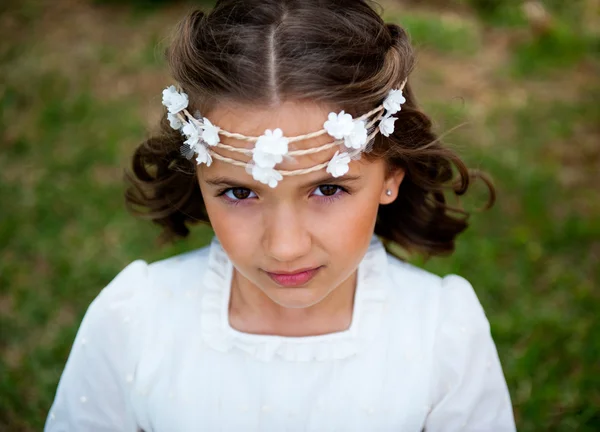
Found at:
[226, 181]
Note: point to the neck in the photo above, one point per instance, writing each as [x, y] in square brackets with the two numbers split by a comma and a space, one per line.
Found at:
[252, 311]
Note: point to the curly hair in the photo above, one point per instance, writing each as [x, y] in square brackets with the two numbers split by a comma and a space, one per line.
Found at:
[339, 52]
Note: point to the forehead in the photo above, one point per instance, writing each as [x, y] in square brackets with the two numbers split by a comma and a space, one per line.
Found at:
[294, 118]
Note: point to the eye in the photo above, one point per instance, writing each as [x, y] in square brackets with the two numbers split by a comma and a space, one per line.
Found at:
[329, 191]
[238, 194]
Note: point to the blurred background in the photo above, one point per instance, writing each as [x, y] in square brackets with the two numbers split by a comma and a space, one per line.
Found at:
[80, 87]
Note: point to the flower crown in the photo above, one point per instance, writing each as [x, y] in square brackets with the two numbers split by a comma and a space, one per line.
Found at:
[353, 136]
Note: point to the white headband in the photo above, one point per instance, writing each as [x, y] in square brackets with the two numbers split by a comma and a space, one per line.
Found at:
[272, 147]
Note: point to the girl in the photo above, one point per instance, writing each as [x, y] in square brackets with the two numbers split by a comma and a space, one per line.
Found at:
[294, 132]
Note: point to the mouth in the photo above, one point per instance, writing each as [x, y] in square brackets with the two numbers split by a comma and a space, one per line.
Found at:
[297, 279]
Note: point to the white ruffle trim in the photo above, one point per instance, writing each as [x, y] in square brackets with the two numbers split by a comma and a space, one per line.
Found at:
[369, 302]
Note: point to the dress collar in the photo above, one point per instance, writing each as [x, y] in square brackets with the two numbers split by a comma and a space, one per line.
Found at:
[369, 300]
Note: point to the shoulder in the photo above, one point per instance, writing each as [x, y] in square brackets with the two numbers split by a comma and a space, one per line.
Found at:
[441, 299]
[141, 286]
[179, 271]
[444, 312]
[173, 272]
[452, 350]
[408, 278]
[405, 274]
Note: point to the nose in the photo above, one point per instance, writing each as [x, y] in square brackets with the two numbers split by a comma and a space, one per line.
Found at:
[286, 238]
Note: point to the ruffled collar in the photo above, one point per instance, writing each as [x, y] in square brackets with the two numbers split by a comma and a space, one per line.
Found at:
[369, 301]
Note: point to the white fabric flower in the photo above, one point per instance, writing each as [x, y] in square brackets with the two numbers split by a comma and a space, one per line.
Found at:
[267, 176]
[266, 160]
[394, 101]
[386, 125]
[173, 100]
[338, 165]
[191, 132]
[174, 121]
[210, 135]
[358, 138]
[203, 155]
[270, 148]
[339, 125]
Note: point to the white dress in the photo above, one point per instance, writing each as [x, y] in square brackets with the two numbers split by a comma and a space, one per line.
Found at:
[155, 352]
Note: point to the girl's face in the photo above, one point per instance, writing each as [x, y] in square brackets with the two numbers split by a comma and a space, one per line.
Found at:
[308, 222]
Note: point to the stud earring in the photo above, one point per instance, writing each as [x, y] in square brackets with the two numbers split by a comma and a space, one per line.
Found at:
[388, 192]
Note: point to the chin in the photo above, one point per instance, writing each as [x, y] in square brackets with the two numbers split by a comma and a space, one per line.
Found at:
[295, 298]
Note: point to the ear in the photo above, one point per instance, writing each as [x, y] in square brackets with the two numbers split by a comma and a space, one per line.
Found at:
[391, 183]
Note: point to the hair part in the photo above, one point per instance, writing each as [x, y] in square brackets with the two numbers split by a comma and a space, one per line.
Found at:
[338, 52]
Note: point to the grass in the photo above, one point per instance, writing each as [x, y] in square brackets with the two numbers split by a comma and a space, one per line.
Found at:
[69, 120]
[450, 34]
[561, 46]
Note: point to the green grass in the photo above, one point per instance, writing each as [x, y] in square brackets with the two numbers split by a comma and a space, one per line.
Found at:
[449, 35]
[560, 47]
[566, 38]
[68, 130]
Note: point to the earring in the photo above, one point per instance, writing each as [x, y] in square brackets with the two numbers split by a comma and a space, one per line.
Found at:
[388, 192]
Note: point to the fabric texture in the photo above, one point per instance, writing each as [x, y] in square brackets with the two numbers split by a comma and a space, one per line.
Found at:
[155, 352]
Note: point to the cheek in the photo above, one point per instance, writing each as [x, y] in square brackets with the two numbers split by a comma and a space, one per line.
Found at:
[350, 226]
[232, 226]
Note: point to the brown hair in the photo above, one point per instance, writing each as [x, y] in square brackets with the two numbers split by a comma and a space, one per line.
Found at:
[336, 51]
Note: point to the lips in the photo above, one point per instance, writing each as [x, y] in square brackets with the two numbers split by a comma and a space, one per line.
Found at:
[296, 279]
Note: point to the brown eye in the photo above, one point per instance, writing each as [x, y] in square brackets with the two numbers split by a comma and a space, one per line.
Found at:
[328, 190]
[238, 194]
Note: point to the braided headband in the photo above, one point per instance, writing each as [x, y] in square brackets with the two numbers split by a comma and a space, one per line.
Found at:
[353, 136]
